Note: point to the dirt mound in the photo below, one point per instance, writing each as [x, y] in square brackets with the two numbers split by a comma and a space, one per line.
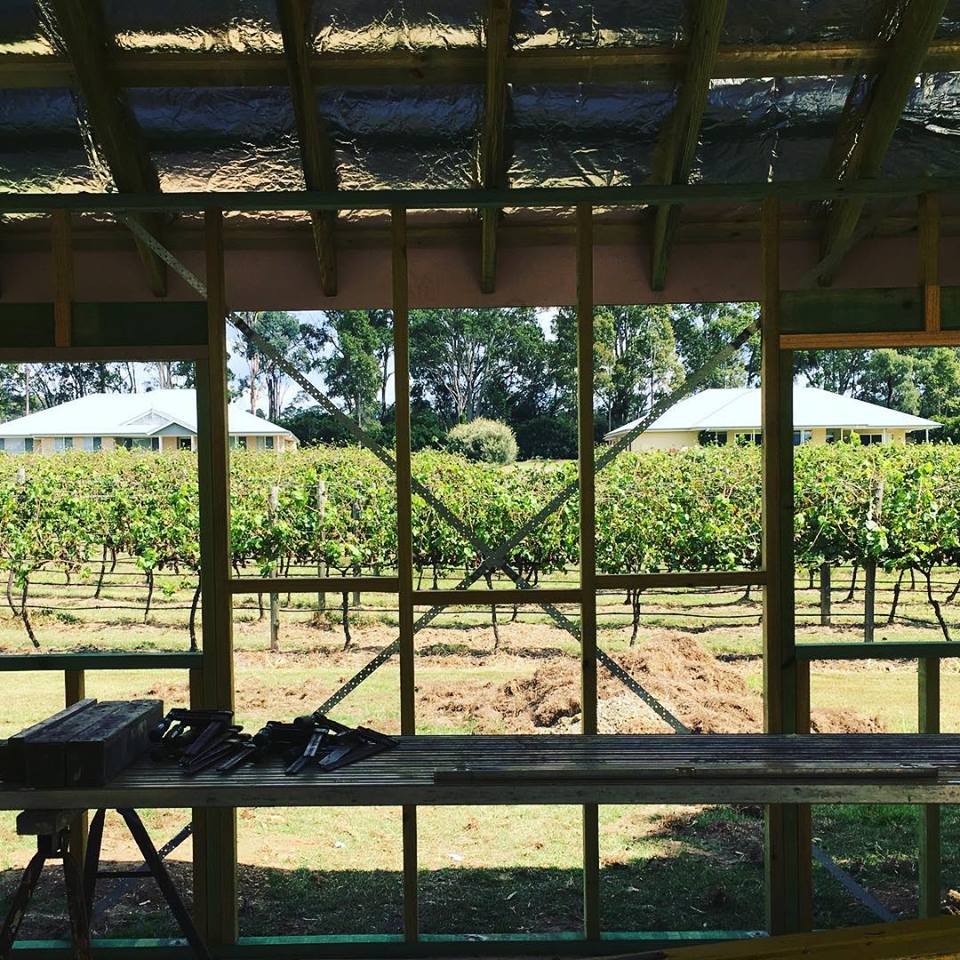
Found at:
[832, 720]
[705, 694]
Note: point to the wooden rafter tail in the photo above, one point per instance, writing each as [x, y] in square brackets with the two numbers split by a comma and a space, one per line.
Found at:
[866, 129]
[492, 164]
[677, 146]
[316, 150]
[113, 125]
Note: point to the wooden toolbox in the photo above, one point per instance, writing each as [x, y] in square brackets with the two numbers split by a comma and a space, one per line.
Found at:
[85, 745]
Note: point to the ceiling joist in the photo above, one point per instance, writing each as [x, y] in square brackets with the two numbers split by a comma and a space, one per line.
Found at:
[493, 172]
[677, 146]
[135, 68]
[113, 126]
[867, 128]
[316, 150]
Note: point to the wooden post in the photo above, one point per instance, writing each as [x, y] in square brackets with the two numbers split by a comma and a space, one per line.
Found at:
[408, 721]
[61, 244]
[355, 513]
[869, 600]
[928, 716]
[787, 862]
[929, 231]
[825, 598]
[588, 550]
[273, 510]
[212, 685]
[322, 565]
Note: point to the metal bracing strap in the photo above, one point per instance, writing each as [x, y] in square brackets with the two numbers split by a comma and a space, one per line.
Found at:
[856, 890]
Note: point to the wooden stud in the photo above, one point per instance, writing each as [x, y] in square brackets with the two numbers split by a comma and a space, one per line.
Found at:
[929, 232]
[405, 603]
[787, 848]
[246, 585]
[492, 167]
[316, 149]
[212, 686]
[867, 127]
[928, 716]
[75, 689]
[677, 145]
[62, 249]
[588, 553]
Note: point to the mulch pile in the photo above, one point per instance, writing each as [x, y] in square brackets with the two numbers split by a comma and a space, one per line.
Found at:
[707, 695]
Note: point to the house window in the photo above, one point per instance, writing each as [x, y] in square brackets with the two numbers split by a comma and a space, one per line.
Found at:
[710, 438]
[154, 443]
[238, 443]
[802, 436]
[871, 439]
[268, 442]
[28, 445]
[746, 439]
[184, 443]
[125, 442]
[98, 443]
[3, 444]
[62, 443]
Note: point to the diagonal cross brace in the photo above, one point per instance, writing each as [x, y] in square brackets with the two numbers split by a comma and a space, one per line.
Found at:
[493, 559]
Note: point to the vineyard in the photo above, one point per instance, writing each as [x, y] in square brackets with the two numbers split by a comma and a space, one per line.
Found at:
[332, 510]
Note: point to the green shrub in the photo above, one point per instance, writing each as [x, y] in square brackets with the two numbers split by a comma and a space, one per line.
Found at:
[486, 441]
[548, 438]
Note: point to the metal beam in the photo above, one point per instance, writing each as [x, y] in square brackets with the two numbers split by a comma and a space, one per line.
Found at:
[112, 123]
[135, 68]
[867, 128]
[455, 198]
[675, 150]
[316, 150]
[493, 171]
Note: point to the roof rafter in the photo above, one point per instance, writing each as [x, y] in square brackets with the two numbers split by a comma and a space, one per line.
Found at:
[113, 125]
[677, 144]
[316, 150]
[493, 171]
[866, 129]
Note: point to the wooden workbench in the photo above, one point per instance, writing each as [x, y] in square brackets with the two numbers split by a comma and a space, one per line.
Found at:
[434, 770]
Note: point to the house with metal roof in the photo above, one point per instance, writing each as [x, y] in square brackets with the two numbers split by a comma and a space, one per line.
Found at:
[159, 420]
[732, 416]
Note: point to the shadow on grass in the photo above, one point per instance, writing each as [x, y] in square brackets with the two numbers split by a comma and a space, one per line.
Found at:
[687, 869]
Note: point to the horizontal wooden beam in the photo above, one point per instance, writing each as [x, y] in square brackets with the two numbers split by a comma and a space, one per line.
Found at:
[131, 68]
[486, 598]
[246, 585]
[886, 650]
[870, 341]
[148, 660]
[454, 198]
[104, 354]
[704, 578]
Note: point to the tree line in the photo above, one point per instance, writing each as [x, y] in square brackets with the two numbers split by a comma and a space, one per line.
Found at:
[515, 365]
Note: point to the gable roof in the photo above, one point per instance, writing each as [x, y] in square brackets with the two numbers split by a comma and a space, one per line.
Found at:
[130, 415]
[739, 409]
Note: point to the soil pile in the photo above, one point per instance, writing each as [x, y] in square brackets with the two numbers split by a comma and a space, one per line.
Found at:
[707, 695]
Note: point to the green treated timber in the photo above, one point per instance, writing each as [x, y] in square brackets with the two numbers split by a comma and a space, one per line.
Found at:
[893, 650]
[99, 661]
[392, 945]
[799, 191]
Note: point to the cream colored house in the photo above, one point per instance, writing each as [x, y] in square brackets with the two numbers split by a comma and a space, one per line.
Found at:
[732, 416]
[161, 420]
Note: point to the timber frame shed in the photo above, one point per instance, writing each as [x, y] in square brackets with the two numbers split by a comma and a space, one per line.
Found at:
[164, 164]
